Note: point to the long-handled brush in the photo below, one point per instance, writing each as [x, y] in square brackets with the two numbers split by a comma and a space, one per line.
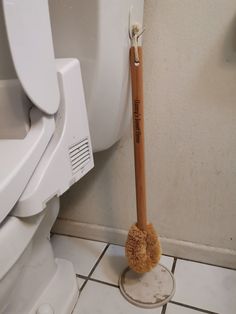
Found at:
[142, 248]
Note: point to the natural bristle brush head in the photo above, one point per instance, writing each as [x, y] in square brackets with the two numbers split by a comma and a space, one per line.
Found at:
[142, 249]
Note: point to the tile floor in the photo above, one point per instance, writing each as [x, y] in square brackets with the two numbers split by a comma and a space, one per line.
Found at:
[200, 288]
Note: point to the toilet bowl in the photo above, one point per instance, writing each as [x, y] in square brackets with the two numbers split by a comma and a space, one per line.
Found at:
[51, 148]
[31, 277]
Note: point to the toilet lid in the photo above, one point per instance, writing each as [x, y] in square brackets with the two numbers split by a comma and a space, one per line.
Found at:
[30, 40]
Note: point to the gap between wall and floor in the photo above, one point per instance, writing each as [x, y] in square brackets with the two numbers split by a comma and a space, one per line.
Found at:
[181, 249]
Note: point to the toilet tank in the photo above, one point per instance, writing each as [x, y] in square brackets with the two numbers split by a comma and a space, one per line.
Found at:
[97, 33]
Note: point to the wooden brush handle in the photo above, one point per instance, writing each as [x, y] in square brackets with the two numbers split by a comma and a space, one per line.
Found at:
[138, 135]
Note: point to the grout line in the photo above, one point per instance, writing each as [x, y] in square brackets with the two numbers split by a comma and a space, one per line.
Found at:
[97, 280]
[94, 267]
[182, 304]
[174, 265]
[88, 278]
[74, 236]
[83, 285]
[81, 276]
[104, 282]
[85, 280]
[163, 311]
[98, 261]
[173, 271]
[181, 258]
[193, 307]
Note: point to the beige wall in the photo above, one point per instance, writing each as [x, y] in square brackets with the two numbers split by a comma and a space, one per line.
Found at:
[190, 108]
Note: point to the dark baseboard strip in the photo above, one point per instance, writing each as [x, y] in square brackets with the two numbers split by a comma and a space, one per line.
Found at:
[74, 236]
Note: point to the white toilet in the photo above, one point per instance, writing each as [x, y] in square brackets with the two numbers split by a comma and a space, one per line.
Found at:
[45, 140]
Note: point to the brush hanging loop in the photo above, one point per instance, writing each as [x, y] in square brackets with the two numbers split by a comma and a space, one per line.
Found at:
[136, 31]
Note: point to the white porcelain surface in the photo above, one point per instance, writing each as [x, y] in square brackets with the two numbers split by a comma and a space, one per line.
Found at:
[64, 161]
[114, 262]
[82, 253]
[30, 40]
[176, 309]
[61, 293]
[34, 277]
[19, 159]
[13, 100]
[207, 287]
[99, 298]
[96, 32]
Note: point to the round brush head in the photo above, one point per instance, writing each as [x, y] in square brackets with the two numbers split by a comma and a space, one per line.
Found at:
[143, 249]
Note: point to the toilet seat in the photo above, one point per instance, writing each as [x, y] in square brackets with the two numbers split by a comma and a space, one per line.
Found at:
[25, 233]
[68, 156]
[19, 158]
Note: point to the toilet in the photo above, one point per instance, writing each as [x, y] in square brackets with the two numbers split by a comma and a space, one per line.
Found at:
[64, 94]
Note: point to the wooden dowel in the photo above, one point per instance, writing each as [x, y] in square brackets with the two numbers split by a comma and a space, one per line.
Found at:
[138, 135]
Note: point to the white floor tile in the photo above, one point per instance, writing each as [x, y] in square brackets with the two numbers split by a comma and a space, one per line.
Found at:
[176, 309]
[206, 287]
[114, 262]
[111, 265]
[82, 253]
[99, 298]
[167, 261]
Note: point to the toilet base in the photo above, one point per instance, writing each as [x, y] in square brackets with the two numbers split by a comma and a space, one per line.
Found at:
[61, 293]
[32, 280]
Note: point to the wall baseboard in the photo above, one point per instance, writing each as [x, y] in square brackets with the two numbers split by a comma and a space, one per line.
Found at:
[182, 249]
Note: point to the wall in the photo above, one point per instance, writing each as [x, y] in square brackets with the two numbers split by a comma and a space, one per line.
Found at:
[190, 124]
